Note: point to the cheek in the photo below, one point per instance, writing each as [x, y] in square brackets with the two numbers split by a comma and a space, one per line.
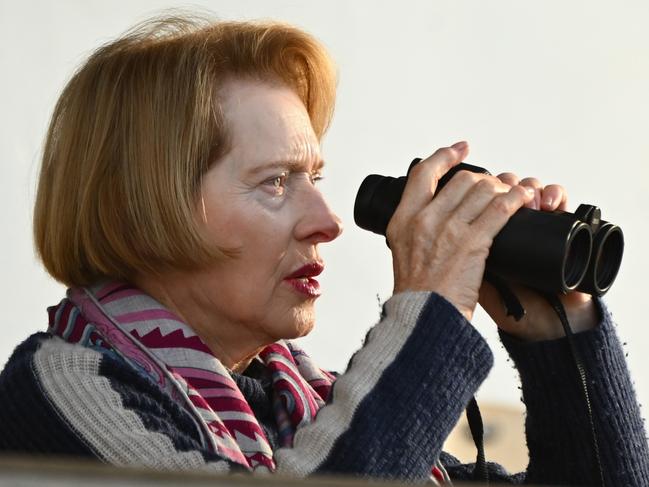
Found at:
[249, 224]
[260, 243]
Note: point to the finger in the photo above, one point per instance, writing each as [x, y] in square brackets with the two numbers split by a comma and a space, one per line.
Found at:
[454, 193]
[554, 197]
[423, 178]
[508, 178]
[535, 204]
[500, 210]
[479, 197]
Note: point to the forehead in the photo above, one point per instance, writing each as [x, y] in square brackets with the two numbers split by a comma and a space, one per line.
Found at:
[268, 123]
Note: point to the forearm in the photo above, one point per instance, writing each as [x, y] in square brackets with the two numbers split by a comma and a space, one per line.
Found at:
[557, 425]
[399, 399]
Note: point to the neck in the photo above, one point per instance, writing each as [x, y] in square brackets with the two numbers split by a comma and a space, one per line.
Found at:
[234, 344]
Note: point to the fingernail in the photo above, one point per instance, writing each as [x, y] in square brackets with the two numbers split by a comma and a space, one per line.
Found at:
[547, 201]
[460, 146]
[530, 191]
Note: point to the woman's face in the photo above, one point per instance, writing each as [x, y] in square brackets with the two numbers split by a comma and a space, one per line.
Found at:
[261, 201]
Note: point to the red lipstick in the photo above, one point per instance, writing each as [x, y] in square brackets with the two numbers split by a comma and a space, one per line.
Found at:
[303, 282]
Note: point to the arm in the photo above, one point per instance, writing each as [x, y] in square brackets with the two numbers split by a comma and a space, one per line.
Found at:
[401, 396]
[557, 428]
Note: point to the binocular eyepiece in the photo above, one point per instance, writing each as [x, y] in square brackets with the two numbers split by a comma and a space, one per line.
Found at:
[554, 252]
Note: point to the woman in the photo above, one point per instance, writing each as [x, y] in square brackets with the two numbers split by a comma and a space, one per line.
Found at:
[178, 200]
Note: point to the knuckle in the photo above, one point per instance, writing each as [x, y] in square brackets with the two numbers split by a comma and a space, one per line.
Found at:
[535, 183]
[393, 230]
[446, 153]
[390, 233]
[501, 205]
[519, 191]
[483, 240]
[487, 185]
[507, 176]
[424, 170]
[419, 168]
[467, 177]
[453, 232]
[421, 223]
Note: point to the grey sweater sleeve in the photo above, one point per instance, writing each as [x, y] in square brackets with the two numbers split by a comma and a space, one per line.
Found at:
[557, 425]
[401, 395]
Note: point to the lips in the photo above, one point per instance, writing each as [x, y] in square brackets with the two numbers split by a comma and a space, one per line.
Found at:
[309, 270]
[302, 280]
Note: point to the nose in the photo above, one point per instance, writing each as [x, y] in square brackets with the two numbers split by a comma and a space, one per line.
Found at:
[318, 223]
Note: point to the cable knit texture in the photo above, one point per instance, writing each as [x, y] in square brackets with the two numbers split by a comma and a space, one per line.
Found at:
[387, 416]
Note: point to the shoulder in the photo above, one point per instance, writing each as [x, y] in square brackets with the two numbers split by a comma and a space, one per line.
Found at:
[29, 421]
[58, 367]
[40, 355]
[62, 398]
[49, 380]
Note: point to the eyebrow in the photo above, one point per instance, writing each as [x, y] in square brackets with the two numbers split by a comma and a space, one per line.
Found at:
[290, 165]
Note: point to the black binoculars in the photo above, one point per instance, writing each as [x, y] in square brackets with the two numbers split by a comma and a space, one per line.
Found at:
[553, 252]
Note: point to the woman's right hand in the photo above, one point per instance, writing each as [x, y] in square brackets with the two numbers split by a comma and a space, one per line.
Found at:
[442, 244]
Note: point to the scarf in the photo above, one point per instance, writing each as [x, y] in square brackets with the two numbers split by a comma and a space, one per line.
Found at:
[119, 319]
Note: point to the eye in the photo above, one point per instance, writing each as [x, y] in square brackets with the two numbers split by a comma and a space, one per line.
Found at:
[315, 177]
[277, 184]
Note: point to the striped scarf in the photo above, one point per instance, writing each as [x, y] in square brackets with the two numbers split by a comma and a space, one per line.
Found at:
[117, 318]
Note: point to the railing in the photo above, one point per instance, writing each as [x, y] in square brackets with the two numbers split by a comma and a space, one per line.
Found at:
[63, 472]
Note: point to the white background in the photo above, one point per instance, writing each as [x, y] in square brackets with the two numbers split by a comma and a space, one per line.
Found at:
[554, 89]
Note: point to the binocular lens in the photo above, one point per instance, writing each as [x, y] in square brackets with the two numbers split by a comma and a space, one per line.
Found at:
[608, 256]
[577, 257]
[608, 246]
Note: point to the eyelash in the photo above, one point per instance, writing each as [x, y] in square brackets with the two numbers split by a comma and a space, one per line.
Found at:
[279, 182]
[315, 177]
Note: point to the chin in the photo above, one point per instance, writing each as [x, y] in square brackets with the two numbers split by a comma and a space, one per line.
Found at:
[296, 330]
[305, 330]
[301, 325]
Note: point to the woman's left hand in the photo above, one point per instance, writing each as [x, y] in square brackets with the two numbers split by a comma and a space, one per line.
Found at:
[540, 321]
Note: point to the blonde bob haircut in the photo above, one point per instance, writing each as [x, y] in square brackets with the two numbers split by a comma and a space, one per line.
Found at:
[137, 127]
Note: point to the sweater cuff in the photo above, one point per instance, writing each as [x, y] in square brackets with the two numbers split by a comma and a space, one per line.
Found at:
[557, 424]
[549, 364]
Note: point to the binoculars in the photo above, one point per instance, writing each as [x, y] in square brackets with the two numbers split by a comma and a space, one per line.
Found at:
[554, 252]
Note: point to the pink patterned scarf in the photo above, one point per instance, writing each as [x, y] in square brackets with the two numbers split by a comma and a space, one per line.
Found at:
[120, 318]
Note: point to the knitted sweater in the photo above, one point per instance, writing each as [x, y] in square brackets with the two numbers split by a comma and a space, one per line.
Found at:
[387, 416]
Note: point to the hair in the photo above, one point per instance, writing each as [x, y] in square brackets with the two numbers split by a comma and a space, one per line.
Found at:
[137, 127]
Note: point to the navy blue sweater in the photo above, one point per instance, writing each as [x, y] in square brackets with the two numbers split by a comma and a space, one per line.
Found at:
[388, 416]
